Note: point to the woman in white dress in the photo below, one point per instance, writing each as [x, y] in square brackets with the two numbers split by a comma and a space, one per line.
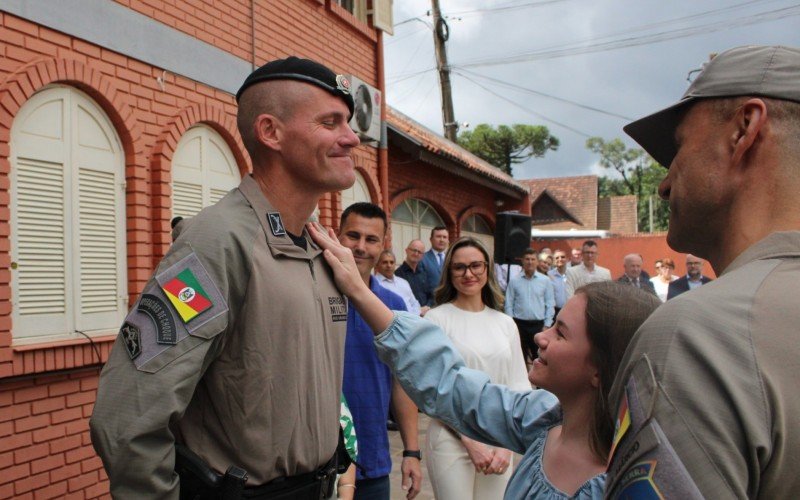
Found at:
[662, 280]
[469, 311]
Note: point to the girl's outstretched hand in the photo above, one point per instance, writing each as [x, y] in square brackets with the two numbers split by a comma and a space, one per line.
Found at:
[340, 258]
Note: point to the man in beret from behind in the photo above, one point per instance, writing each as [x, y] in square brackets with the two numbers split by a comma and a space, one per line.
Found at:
[233, 353]
[706, 396]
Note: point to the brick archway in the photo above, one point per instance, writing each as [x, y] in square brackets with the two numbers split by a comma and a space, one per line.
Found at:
[487, 215]
[20, 86]
[429, 197]
[161, 159]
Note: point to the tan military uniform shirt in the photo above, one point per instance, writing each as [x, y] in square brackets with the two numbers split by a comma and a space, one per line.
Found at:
[707, 397]
[252, 377]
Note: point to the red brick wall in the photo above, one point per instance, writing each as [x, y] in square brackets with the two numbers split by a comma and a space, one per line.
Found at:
[613, 251]
[45, 450]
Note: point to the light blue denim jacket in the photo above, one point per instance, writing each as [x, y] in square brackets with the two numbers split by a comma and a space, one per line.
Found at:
[433, 374]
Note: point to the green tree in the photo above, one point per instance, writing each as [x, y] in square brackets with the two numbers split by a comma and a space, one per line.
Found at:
[504, 146]
[639, 174]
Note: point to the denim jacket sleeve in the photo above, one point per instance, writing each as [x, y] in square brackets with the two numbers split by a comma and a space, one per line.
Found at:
[433, 374]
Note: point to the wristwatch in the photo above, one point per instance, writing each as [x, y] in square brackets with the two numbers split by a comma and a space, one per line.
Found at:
[413, 454]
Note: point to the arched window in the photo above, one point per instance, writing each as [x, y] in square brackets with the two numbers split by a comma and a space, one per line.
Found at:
[203, 171]
[478, 228]
[357, 192]
[412, 219]
[68, 248]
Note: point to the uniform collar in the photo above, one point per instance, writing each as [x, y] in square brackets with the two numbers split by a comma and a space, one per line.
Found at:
[776, 245]
[277, 239]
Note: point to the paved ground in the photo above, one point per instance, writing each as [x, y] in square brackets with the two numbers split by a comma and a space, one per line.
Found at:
[397, 457]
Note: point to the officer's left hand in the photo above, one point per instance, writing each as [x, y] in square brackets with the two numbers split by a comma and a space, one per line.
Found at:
[412, 476]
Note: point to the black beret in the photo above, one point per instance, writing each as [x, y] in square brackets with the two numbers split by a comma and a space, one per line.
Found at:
[303, 70]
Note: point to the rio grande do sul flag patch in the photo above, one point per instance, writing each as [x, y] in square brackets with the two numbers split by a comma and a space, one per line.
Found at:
[186, 295]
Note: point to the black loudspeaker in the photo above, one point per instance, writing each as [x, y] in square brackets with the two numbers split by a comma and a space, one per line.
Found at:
[512, 236]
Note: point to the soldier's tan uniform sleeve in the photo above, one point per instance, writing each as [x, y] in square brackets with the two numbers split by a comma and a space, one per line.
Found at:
[691, 409]
[165, 345]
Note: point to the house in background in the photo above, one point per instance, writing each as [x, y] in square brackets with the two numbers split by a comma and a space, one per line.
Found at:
[572, 203]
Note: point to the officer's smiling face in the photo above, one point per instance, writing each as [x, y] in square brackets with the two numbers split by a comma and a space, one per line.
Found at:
[317, 141]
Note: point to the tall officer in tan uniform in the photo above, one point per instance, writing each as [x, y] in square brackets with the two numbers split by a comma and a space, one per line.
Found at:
[706, 396]
[235, 347]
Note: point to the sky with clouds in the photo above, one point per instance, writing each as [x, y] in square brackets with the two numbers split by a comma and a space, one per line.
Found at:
[581, 67]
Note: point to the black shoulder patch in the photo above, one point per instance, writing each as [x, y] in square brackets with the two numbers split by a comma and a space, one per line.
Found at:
[153, 306]
[133, 339]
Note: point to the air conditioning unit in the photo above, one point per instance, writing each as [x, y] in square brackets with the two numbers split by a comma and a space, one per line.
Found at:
[366, 121]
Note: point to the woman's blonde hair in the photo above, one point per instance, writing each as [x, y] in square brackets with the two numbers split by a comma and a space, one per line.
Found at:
[490, 293]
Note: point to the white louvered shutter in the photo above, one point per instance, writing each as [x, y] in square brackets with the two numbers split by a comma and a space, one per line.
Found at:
[203, 171]
[68, 218]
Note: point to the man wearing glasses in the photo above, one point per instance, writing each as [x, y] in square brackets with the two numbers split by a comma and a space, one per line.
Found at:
[413, 271]
[530, 300]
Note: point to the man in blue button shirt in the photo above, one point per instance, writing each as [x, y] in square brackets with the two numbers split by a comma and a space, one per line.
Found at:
[368, 385]
[530, 301]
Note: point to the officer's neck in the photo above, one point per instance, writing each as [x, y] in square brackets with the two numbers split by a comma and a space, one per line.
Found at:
[295, 206]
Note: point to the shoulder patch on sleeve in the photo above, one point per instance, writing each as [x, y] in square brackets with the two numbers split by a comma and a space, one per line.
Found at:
[643, 463]
[194, 296]
[174, 314]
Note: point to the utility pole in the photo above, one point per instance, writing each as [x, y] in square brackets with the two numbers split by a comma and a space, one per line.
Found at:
[441, 32]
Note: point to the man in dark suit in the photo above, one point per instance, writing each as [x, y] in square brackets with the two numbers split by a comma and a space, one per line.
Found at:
[633, 273]
[693, 278]
[433, 259]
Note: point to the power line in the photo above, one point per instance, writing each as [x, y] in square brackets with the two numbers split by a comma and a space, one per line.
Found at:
[637, 41]
[596, 44]
[542, 94]
[516, 104]
[507, 8]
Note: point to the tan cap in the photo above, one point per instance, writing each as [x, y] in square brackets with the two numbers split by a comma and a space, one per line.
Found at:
[743, 71]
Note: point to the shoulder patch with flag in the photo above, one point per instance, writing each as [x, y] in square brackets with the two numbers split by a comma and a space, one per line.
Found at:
[186, 295]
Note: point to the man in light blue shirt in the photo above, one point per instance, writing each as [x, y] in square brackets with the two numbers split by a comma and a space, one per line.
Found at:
[530, 300]
[559, 276]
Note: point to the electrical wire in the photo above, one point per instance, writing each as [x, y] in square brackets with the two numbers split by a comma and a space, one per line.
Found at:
[516, 104]
[637, 41]
[94, 346]
[542, 94]
[607, 42]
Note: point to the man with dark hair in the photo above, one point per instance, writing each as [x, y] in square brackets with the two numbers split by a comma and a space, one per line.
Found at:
[706, 394]
[234, 349]
[368, 384]
[693, 279]
[433, 260]
[530, 301]
[587, 271]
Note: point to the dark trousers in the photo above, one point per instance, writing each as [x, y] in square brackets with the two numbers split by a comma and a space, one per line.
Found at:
[527, 329]
[372, 489]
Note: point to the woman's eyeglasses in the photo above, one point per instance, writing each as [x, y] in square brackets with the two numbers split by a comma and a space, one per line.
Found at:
[477, 268]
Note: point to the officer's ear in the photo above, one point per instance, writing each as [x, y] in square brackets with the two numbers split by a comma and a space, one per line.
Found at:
[269, 130]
